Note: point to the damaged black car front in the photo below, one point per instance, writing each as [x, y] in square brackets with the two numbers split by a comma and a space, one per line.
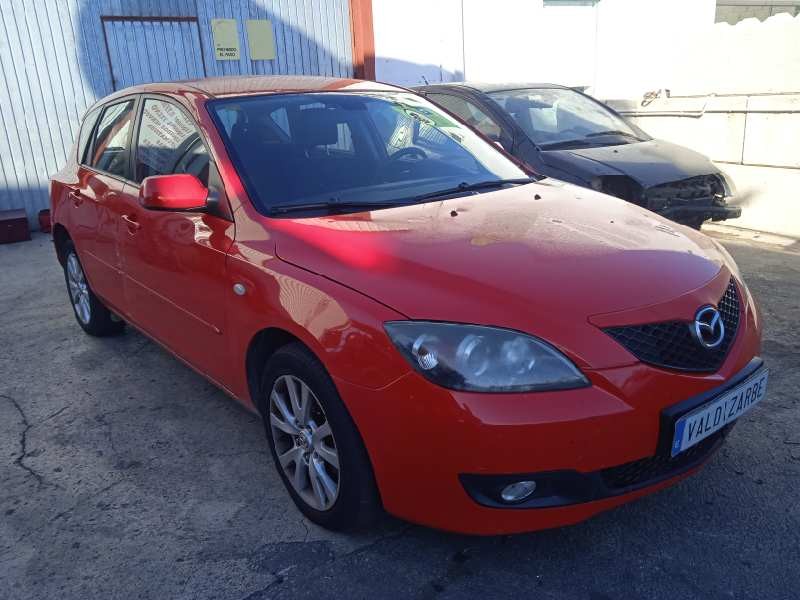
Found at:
[578, 139]
[565, 134]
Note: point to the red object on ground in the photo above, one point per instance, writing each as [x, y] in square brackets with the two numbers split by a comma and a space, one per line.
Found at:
[566, 265]
[44, 220]
[14, 226]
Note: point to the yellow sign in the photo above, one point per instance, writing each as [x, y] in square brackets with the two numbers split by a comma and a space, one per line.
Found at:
[226, 39]
[260, 39]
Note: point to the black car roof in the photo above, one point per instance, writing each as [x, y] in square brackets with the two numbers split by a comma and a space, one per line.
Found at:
[491, 87]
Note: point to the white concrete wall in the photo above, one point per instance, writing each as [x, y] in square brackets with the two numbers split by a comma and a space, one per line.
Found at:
[523, 40]
[639, 39]
[741, 113]
[418, 41]
[617, 47]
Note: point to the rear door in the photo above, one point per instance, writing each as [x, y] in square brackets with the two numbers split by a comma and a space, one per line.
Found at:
[95, 199]
[176, 283]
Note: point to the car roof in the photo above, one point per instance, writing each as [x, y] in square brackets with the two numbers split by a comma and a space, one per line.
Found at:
[491, 87]
[217, 87]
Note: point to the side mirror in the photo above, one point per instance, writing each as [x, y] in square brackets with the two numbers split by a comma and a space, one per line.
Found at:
[179, 191]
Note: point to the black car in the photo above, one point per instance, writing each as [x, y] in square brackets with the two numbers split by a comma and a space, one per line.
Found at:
[568, 135]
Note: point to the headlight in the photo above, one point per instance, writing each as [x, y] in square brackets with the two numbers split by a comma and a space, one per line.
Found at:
[483, 359]
[727, 184]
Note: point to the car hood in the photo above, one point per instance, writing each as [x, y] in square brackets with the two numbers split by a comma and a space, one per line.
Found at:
[650, 163]
[541, 258]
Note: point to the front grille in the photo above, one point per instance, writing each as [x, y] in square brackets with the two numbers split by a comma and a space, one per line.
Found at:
[670, 344]
[649, 470]
[685, 192]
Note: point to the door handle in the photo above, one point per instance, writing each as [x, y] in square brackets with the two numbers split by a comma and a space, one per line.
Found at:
[133, 225]
[76, 197]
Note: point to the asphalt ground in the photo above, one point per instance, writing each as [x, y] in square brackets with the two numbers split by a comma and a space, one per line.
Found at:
[123, 474]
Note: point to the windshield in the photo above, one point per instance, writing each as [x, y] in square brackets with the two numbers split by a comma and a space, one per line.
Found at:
[350, 148]
[554, 117]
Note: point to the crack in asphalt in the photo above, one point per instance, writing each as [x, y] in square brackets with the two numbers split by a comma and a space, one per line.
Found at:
[281, 576]
[23, 442]
[61, 514]
[305, 526]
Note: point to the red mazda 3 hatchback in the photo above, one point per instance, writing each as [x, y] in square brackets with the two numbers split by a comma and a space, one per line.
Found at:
[424, 326]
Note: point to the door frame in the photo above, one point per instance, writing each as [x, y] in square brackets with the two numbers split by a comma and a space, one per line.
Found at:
[112, 18]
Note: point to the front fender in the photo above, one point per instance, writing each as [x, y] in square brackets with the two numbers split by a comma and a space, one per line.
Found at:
[342, 327]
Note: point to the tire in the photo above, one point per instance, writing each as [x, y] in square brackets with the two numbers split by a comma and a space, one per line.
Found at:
[91, 314]
[355, 502]
[695, 223]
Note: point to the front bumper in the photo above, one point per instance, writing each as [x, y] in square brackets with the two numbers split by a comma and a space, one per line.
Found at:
[422, 439]
[691, 213]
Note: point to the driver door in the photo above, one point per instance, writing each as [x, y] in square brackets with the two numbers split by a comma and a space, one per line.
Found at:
[175, 279]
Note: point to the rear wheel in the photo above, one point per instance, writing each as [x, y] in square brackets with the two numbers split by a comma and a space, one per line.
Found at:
[315, 445]
[90, 312]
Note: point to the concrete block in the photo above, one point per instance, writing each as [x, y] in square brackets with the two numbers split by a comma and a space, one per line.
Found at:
[772, 139]
[718, 136]
[769, 197]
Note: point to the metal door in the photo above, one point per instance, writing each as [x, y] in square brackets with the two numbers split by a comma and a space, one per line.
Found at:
[147, 49]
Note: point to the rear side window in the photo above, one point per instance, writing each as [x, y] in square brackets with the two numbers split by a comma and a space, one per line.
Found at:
[169, 143]
[86, 130]
[470, 113]
[110, 148]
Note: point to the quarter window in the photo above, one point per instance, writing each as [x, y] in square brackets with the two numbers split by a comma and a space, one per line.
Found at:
[169, 143]
[470, 113]
[86, 130]
[110, 148]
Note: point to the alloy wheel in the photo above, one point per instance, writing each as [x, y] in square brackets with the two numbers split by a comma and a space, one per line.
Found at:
[78, 289]
[304, 442]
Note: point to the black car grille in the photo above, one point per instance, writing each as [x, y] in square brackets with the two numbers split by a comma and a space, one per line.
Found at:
[706, 188]
[671, 345]
[648, 471]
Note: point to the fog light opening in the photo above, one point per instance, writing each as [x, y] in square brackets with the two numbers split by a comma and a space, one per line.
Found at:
[517, 491]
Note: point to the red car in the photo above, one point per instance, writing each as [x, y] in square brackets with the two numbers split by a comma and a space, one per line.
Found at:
[424, 326]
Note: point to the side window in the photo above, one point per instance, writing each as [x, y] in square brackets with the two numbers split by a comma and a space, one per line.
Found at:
[169, 143]
[110, 147]
[86, 130]
[470, 113]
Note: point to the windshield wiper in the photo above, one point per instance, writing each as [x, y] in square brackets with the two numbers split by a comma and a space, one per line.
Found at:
[330, 204]
[565, 144]
[613, 132]
[336, 203]
[471, 187]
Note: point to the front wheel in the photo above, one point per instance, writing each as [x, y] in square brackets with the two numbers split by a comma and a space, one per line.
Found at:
[695, 223]
[315, 444]
[90, 312]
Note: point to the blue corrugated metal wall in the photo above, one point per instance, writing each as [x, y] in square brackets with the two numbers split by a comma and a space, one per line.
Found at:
[54, 64]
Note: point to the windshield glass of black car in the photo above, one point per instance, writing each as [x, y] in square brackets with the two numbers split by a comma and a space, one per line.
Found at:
[563, 117]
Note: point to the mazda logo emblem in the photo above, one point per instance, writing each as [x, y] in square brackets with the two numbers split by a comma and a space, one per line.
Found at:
[708, 328]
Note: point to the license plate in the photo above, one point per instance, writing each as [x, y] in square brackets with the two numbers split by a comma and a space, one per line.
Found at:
[715, 414]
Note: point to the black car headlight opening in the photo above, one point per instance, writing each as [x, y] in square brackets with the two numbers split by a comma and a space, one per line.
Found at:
[728, 187]
[620, 186]
[478, 358]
